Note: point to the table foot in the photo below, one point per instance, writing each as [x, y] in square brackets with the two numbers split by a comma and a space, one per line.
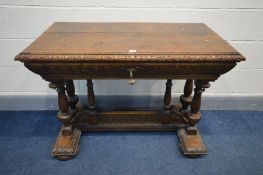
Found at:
[67, 147]
[191, 145]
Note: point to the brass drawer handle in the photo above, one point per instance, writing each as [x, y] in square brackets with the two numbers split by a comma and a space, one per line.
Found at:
[131, 81]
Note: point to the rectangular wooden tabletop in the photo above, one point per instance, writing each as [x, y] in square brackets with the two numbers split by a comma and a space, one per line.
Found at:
[75, 41]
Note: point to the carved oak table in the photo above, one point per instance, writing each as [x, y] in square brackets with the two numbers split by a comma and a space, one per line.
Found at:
[76, 51]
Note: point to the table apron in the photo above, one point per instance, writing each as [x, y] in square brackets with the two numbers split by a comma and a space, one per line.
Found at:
[209, 71]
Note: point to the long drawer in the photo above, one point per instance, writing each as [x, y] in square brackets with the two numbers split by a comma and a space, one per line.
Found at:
[124, 70]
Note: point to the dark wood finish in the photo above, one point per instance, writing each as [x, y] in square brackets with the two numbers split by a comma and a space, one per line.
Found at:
[72, 97]
[64, 71]
[91, 102]
[194, 114]
[64, 115]
[186, 98]
[86, 51]
[191, 144]
[129, 121]
[168, 95]
[120, 38]
[66, 147]
[91, 96]
[67, 142]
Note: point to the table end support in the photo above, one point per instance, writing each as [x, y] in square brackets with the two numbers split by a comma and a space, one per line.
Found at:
[67, 144]
[66, 147]
[190, 138]
[191, 145]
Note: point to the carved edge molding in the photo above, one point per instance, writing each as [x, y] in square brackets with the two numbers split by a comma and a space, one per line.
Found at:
[130, 58]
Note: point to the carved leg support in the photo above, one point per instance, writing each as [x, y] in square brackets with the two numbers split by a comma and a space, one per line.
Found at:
[191, 141]
[91, 103]
[67, 143]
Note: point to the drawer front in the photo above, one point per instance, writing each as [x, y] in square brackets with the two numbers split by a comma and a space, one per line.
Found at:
[146, 70]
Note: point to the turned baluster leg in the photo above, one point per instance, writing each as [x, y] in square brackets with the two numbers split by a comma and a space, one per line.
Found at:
[72, 97]
[91, 102]
[195, 114]
[190, 139]
[167, 100]
[67, 143]
[186, 98]
[64, 115]
[91, 96]
[168, 94]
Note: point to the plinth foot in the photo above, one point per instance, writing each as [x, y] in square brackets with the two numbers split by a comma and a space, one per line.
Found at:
[66, 147]
[191, 145]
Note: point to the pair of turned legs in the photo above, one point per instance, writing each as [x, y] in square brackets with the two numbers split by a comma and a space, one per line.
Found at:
[190, 140]
[67, 143]
[68, 140]
[67, 101]
[192, 116]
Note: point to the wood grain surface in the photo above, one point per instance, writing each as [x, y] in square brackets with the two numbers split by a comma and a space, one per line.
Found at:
[67, 41]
